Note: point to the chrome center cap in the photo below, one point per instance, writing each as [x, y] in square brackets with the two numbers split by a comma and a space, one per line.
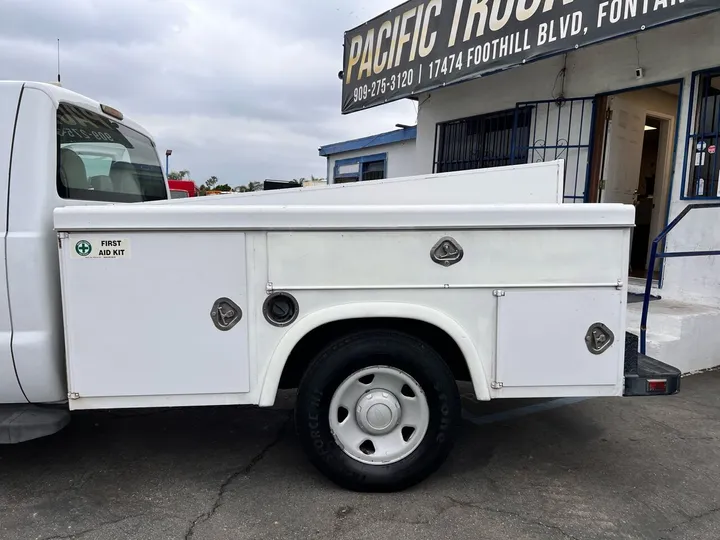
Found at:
[378, 412]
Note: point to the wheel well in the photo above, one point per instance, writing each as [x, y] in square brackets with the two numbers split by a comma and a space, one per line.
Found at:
[312, 343]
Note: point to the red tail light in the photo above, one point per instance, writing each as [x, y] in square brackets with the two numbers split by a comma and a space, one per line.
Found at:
[657, 386]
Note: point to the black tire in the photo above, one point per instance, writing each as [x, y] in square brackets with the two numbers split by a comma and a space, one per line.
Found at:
[350, 354]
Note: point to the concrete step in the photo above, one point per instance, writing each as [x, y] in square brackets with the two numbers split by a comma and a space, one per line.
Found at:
[637, 286]
[686, 336]
[668, 317]
[20, 423]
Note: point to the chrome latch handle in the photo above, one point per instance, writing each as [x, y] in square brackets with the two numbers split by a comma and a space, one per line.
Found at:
[225, 314]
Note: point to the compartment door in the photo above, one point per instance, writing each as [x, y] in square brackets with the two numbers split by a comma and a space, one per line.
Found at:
[541, 337]
[139, 313]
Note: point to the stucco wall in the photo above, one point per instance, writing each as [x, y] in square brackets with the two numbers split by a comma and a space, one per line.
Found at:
[668, 53]
[653, 101]
[401, 159]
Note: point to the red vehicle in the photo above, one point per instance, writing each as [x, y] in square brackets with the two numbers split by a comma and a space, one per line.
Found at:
[182, 188]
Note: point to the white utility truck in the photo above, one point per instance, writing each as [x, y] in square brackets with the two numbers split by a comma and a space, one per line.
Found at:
[372, 299]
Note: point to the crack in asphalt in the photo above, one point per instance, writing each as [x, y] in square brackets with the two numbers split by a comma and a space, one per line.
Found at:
[205, 516]
[521, 517]
[82, 533]
[688, 521]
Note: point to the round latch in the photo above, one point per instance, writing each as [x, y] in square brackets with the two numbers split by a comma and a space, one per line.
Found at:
[599, 338]
[280, 309]
[225, 314]
[446, 252]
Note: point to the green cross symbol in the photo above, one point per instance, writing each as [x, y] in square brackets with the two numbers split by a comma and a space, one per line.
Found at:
[83, 248]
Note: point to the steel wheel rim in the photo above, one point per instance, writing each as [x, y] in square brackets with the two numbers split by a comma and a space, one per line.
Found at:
[379, 415]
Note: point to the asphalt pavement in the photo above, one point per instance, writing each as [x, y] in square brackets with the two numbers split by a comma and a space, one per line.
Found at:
[637, 468]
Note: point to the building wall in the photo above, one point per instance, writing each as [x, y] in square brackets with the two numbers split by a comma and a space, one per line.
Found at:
[401, 160]
[653, 100]
[668, 53]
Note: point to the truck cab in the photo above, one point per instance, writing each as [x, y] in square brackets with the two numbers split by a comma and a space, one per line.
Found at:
[57, 148]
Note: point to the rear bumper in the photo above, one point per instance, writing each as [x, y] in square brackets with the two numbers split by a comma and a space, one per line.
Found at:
[645, 376]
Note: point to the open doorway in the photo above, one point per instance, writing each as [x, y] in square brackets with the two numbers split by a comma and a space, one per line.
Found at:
[636, 165]
[645, 196]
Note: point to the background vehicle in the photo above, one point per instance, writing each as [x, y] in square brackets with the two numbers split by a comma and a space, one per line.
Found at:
[180, 189]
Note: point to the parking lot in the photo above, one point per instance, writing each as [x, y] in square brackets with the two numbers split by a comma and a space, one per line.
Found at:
[644, 468]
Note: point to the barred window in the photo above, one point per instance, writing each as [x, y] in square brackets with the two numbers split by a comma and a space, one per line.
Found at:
[704, 165]
[373, 170]
[478, 142]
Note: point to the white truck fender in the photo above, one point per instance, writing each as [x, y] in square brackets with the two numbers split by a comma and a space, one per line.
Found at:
[366, 310]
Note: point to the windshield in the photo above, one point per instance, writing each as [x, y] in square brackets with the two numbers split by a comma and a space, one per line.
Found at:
[102, 160]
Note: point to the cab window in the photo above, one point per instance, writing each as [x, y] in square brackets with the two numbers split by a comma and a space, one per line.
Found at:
[100, 159]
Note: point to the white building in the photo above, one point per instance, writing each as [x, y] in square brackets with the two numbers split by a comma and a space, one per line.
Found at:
[384, 155]
[636, 119]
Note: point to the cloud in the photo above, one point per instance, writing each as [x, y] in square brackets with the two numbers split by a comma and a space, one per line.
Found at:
[240, 90]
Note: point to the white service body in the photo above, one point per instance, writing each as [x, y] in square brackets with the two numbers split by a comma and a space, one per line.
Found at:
[534, 276]
[135, 330]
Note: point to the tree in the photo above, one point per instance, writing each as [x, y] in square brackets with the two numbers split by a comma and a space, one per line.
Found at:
[252, 186]
[211, 182]
[179, 175]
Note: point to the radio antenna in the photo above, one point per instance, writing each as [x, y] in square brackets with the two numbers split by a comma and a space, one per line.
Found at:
[58, 60]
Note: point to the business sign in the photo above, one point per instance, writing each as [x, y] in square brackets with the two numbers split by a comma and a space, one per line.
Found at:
[426, 44]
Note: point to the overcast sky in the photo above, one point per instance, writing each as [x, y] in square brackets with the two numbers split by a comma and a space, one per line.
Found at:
[243, 90]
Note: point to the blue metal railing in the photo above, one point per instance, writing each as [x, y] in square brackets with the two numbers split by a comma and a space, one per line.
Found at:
[654, 255]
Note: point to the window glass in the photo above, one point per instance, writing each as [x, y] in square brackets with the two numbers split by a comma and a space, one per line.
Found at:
[373, 170]
[369, 167]
[100, 159]
[349, 169]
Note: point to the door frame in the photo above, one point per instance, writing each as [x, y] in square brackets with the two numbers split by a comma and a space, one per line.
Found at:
[656, 226]
[598, 148]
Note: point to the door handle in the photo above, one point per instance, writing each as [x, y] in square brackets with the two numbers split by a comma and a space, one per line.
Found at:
[225, 314]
